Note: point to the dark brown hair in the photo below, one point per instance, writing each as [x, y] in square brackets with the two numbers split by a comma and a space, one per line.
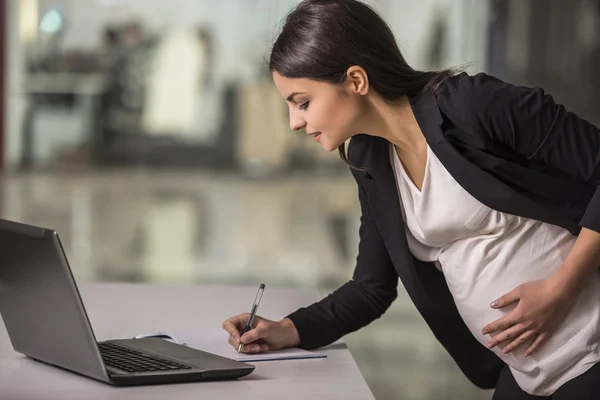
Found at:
[321, 39]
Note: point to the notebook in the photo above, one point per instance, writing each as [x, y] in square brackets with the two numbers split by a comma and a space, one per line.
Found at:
[215, 341]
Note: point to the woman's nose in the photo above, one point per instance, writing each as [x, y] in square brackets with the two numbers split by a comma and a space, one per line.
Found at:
[296, 122]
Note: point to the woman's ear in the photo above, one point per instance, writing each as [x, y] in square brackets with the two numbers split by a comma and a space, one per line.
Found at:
[357, 79]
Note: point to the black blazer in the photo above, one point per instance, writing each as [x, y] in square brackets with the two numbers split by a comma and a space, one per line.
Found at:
[512, 148]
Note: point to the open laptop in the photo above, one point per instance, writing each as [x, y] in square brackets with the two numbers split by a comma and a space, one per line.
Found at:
[46, 320]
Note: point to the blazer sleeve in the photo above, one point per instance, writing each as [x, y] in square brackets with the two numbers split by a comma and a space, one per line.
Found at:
[364, 298]
[531, 123]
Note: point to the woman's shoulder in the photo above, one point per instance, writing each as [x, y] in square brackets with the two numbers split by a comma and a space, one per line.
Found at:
[481, 96]
[471, 86]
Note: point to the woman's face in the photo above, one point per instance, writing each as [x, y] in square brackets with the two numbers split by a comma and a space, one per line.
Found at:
[325, 111]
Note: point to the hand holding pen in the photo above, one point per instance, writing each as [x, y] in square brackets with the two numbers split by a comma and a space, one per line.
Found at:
[249, 333]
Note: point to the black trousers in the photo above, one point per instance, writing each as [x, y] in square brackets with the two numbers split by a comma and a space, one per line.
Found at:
[584, 387]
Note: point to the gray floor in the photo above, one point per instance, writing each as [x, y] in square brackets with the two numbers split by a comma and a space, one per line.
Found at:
[193, 227]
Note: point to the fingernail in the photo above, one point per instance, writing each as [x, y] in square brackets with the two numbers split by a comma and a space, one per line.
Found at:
[484, 332]
[527, 354]
[236, 337]
[494, 303]
[505, 350]
[490, 345]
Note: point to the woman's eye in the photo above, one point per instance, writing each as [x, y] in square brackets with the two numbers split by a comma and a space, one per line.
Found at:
[304, 105]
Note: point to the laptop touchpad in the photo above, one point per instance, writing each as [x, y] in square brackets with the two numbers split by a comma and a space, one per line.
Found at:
[166, 348]
[182, 352]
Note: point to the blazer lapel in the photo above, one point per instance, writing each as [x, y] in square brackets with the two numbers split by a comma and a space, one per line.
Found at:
[380, 185]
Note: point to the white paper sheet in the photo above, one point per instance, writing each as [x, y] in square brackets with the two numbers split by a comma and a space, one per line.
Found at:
[215, 341]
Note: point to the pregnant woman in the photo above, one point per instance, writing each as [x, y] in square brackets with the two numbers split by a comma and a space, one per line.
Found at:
[481, 196]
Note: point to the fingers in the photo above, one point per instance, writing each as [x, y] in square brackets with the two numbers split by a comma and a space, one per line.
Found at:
[536, 344]
[253, 348]
[234, 342]
[508, 334]
[257, 347]
[508, 298]
[234, 325]
[502, 324]
[260, 332]
[234, 333]
[524, 337]
[254, 339]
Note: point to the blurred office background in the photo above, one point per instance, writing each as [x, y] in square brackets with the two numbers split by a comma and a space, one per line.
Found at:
[149, 134]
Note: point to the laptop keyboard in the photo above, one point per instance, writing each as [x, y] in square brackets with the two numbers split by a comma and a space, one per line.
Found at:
[129, 360]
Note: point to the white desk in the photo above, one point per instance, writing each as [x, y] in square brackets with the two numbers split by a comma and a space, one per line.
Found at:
[123, 310]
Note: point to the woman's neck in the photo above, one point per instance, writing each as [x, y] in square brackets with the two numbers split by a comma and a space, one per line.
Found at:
[396, 123]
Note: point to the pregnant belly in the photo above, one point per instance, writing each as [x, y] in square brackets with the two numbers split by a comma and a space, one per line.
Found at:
[480, 269]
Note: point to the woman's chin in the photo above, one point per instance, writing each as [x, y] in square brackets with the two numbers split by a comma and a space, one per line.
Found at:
[327, 145]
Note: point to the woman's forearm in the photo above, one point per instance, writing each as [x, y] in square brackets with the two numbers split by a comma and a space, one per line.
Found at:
[580, 264]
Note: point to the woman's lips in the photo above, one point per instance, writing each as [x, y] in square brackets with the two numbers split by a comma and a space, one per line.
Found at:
[315, 135]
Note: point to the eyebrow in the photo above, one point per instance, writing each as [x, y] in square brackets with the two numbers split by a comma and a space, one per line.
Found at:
[291, 96]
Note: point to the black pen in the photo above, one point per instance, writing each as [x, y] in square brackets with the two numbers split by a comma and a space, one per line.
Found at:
[248, 326]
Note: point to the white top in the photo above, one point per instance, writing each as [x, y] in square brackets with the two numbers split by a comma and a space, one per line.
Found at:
[484, 254]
